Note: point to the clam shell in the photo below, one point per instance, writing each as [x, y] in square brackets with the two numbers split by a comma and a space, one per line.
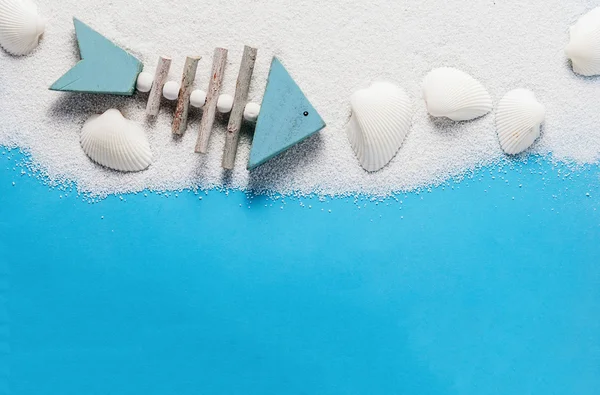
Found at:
[454, 94]
[584, 46]
[20, 26]
[518, 120]
[381, 119]
[115, 142]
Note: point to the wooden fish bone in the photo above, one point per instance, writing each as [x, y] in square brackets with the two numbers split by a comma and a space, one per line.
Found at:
[212, 96]
[183, 100]
[160, 77]
[232, 137]
[284, 118]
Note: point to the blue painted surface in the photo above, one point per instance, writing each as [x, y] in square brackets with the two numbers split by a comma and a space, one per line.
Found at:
[286, 117]
[103, 68]
[459, 291]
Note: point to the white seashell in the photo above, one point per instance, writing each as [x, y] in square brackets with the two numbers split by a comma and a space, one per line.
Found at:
[251, 112]
[115, 142]
[144, 82]
[171, 90]
[381, 118]
[518, 120]
[225, 103]
[584, 46]
[198, 98]
[454, 94]
[20, 26]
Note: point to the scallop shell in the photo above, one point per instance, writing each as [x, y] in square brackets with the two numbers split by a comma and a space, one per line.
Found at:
[381, 119]
[454, 94]
[584, 47]
[115, 142]
[518, 120]
[20, 26]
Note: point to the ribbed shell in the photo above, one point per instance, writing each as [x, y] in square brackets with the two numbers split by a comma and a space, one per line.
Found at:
[381, 118]
[584, 47]
[518, 120]
[454, 94]
[20, 26]
[115, 142]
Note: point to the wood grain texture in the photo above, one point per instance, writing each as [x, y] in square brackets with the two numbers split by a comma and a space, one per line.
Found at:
[183, 100]
[160, 78]
[232, 137]
[212, 96]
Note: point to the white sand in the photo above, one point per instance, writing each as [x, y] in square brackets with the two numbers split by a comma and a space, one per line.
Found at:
[331, 48]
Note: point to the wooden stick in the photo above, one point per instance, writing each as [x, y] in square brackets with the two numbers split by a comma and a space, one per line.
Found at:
[212, 95]
[242, 87]
[183, 100]
[160, 77]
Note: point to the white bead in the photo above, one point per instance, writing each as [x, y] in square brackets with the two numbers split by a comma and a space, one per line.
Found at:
[225, 104]
[144, 82]
[198, 98]
[171, 90]
[251, 112]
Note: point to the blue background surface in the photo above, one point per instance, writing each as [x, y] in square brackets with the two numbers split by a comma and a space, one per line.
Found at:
[458, 290]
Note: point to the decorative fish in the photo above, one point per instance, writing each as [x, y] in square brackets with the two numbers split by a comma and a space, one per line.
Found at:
[284, 118]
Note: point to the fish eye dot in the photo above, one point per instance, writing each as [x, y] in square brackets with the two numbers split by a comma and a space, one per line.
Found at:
[305, 113]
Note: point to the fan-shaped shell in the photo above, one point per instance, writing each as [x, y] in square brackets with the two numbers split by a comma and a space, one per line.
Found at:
[454, 94]
[20, 26]
[381, 119]
[584, 47]
[518, 120]
[115, 142]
